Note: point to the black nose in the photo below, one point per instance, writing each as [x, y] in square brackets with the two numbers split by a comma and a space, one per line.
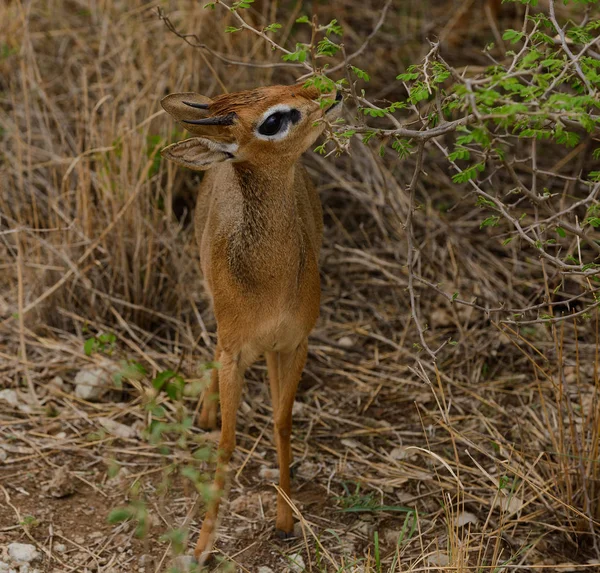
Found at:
[338, 96]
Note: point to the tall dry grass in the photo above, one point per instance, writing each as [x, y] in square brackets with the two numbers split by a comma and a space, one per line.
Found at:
[95, 236]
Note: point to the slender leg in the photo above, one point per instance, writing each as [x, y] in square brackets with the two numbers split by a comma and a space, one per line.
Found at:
[230, 389]
[208, 415]
[285, 370]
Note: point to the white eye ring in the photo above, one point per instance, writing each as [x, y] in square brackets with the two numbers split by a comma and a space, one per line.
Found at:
[281, 108]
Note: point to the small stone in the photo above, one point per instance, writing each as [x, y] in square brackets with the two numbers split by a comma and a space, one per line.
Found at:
[93, 383]
[268, 473]
[57, 383]
[3, 455]
[403, 453]
[464, 518]
[346, 342]
[438, 558]
[296, 563]
[298, 533]
[10, 397]
[117, 429]
[265, 569]
[22, 552]
[183, 564]
[298, 409]
[60, 547]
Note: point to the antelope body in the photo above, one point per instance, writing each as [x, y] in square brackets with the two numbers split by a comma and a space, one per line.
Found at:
[259, 226]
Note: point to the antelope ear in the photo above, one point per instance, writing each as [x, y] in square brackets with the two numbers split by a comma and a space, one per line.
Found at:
[192, 112]
[187, 105]
[199, 153]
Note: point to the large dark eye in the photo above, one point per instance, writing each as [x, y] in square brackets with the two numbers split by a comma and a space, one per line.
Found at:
[272, 124]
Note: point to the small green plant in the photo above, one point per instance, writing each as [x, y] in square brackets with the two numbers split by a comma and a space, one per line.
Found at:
[104, 343]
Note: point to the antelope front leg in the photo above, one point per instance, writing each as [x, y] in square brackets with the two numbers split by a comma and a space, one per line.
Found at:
[208, 415]
[285, 370]
[230, 390]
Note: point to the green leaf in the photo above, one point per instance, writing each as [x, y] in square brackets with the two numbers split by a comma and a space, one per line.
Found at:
[561, 232]
[403, 147]
[468, 174]
[272, 27]
[490, 222]
[241, 5]
[120, 514]
[232, 29]
[162, 378]
[513, 36]
[407, 76]
[174, 388]
[360, 73]
[373, 112]
[298, 56]
[333, 28]
[327, 48]
[303, 20]
[459, 153]
[594, 175]
[90, 346]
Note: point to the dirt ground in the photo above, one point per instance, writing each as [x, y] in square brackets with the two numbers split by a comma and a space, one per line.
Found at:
[65, 455]
[485, 461]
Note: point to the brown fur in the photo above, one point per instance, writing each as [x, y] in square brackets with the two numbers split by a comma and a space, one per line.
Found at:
[259, 227]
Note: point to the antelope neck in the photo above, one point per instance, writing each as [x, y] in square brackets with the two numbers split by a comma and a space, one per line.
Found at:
[269, 225]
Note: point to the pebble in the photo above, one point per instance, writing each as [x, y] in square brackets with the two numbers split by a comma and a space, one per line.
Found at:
[10, 397]
[182, 564]
[296, 563]
[92, 384]
[22, 552]
[117, 429]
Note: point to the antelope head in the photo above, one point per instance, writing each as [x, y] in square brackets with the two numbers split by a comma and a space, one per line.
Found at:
[264, 125]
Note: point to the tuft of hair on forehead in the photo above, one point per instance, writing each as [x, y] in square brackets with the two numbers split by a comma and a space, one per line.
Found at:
[238, 101]
[234, 102]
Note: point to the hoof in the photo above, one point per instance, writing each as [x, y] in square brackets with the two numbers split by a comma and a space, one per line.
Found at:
[286, 536]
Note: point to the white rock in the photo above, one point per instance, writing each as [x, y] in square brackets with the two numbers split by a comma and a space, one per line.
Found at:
[183, 564]
[264, 569]
[92, 384]
[57, 382]
[297, 409]
[60, 547]
[438, 558]
[22, 552]
[10, 397]
[346, 342]
[268, 473]
[117, 429]
[296, 563]
[464, 518]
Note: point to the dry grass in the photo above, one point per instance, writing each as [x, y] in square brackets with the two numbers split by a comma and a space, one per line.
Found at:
[494, 450]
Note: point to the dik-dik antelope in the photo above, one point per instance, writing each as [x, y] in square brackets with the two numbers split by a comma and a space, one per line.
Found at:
[259, 227]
